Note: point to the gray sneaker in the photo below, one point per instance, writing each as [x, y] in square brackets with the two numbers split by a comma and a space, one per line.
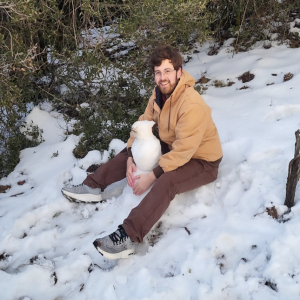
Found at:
[82, 193]
[116, 245]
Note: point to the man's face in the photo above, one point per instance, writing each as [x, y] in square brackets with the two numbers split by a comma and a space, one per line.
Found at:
[165, 78]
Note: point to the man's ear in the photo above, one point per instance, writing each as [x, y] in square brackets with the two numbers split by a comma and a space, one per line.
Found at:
[179, 73]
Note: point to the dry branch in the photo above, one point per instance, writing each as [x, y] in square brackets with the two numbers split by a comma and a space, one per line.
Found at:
[297, 145]
[293, 174]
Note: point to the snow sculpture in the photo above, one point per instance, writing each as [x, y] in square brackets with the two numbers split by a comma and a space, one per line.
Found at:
[146, 148]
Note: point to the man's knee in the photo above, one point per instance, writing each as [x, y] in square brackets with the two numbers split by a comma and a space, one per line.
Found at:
[165, 185]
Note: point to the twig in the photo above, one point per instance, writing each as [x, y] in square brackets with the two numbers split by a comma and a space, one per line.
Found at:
[297, 144]
[108, 14]
[54, 97]
[5, 6]
[240, 28]
[186, 229]
[115, 5]
[74, 24]
[11, 39]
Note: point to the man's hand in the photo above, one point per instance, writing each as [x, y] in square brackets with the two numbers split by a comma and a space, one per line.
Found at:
[129, 171]
[143, 183]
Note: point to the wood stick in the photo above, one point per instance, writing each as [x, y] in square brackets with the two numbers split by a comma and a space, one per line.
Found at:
[297, 144]
[293, 174]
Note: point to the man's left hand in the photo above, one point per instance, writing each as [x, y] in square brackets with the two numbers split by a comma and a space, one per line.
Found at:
[143, 183]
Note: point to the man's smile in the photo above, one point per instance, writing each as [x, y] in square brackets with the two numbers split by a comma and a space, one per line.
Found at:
[164, 83]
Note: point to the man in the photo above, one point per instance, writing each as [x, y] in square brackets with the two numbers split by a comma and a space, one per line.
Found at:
[191, 155]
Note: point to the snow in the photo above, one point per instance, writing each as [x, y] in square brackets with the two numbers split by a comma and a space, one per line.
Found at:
[95, 36]
[116, 146]
[294, 28]
[216, 242]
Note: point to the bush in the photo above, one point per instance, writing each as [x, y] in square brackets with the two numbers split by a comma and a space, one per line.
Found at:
[252, 20]
[12, 141]
[48, 52]
[90, 58]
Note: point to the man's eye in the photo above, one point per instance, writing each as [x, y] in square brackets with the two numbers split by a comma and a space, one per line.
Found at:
[167, 71]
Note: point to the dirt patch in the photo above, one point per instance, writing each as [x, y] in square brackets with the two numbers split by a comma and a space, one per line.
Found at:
[4, 256]
[271, 285]
[33, 259]
[203, 80]
[294, 41]
[21, 182]
[4, 188]
[221, 263]
[246, 77]
[54, 277]
[272, 212]
[244, 87]
[219, 83]
[155, 235]
[213, 50]
[288, 76]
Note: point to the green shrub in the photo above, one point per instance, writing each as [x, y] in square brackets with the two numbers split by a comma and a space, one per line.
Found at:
[47, 52]
[252, 20]
[12, 141]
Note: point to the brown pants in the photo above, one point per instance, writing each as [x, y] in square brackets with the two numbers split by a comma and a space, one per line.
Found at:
[141, 219]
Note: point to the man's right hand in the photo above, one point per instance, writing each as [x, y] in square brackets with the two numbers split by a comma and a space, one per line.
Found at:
[131, 167]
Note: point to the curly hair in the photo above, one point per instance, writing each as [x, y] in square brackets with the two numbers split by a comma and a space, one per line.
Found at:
[165, 52]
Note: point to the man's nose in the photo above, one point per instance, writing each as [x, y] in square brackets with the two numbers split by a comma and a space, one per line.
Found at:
[163, 76]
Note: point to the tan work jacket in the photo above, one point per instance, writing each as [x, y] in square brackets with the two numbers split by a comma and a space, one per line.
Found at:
[185, 124]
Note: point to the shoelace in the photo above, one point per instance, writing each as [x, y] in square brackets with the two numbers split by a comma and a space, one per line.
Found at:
[116, 238]
[81, 184]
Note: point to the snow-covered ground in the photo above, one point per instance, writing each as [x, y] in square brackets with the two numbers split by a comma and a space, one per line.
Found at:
[216, 242]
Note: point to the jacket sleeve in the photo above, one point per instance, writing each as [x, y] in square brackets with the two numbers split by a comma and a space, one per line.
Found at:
[189, 132]
[147, 115]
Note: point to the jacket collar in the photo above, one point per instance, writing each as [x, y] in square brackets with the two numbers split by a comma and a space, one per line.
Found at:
[186, 80]
[158, 98]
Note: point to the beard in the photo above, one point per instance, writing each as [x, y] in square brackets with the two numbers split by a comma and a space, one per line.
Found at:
[169, 88]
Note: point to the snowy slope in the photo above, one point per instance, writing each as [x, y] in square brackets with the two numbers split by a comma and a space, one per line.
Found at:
[216, 242]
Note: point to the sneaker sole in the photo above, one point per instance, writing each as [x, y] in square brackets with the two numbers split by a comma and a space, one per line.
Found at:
[82, 198]
[123, 254]
[75, 200]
